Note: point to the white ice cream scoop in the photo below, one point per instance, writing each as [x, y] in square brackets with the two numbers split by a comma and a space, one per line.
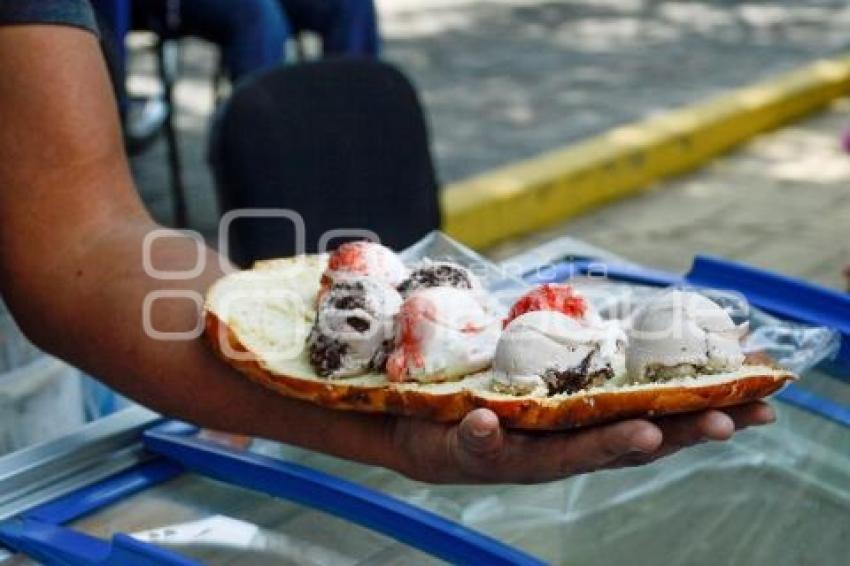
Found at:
[367, 259]
[442, 333]
[680, 334]
[546, 352]
[354, 327]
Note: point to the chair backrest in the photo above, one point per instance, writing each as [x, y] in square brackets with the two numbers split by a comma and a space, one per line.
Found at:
[341, 142]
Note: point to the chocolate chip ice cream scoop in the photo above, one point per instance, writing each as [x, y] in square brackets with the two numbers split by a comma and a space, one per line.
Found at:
[353, 331]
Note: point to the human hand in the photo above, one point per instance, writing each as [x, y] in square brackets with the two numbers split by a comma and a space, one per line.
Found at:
[479, 450]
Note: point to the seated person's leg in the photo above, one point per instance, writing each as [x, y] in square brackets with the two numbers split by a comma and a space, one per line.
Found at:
[113, 19]
[347, 27]
[251, 33]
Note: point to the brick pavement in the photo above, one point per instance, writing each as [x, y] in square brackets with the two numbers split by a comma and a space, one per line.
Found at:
[781, 202]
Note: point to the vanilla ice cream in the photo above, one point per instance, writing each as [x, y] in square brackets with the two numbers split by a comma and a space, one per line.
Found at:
[354, 328]
[682, 334]
[442, 333]
[546, 352]
[368, 259]
[428, 274]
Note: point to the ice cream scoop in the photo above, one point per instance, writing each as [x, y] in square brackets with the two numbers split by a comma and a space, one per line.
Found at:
[553, 297]
[682, 334]
[354, 327]
[442, 333]
[430, 274]
[364, 258]
[547, 352]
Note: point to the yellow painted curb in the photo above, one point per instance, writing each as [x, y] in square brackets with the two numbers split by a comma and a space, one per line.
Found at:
[538, 192]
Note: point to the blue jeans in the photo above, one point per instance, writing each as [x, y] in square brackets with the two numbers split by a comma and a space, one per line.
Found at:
[251, 33]
[347, 27]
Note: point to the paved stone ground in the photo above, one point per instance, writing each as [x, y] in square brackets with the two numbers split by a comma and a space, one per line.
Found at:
[505, 79]
[781, 202]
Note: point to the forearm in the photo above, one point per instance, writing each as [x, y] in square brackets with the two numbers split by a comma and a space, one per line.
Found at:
[97, 323]
[71, 242]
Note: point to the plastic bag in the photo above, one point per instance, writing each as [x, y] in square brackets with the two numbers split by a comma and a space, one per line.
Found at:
[797, 347]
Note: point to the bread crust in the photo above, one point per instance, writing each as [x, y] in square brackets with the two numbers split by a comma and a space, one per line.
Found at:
[334, 394]
[551, 413]
[607, 406]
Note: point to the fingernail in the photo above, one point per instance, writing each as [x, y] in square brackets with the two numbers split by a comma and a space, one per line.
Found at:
[481, 432]
[642, 441]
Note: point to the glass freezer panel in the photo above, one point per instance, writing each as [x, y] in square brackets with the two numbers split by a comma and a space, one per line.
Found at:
[217, 523]
[774, 495]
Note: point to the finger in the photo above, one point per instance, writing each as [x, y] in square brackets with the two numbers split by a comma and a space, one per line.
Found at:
[479, 435]
[597, 447]
[751, 414]
[640, 459]
[680, 431]
[693, 428]
[524, 458]
[686, 430]
[716, 425]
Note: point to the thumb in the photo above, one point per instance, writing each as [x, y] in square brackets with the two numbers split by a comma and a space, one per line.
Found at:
[478, 436]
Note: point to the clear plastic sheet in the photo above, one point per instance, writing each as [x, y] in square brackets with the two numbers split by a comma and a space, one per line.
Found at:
[797, 347]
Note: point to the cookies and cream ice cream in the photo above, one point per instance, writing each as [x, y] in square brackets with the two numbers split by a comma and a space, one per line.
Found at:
[430, 274]
[547, 352]
[367, 259]
[354, 327]
[443, 333]
[682, 334]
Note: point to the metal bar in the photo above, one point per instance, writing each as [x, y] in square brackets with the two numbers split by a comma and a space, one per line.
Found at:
[409, 524]
[783, 296]
[52, 544]
[813, 403]
[46, 471]
[98, 495]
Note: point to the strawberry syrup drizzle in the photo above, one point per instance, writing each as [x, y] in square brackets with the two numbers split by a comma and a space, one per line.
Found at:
[349, 257]
[549, 297]
[408, 352]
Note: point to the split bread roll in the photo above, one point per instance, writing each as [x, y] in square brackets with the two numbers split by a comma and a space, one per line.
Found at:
[258, 322]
